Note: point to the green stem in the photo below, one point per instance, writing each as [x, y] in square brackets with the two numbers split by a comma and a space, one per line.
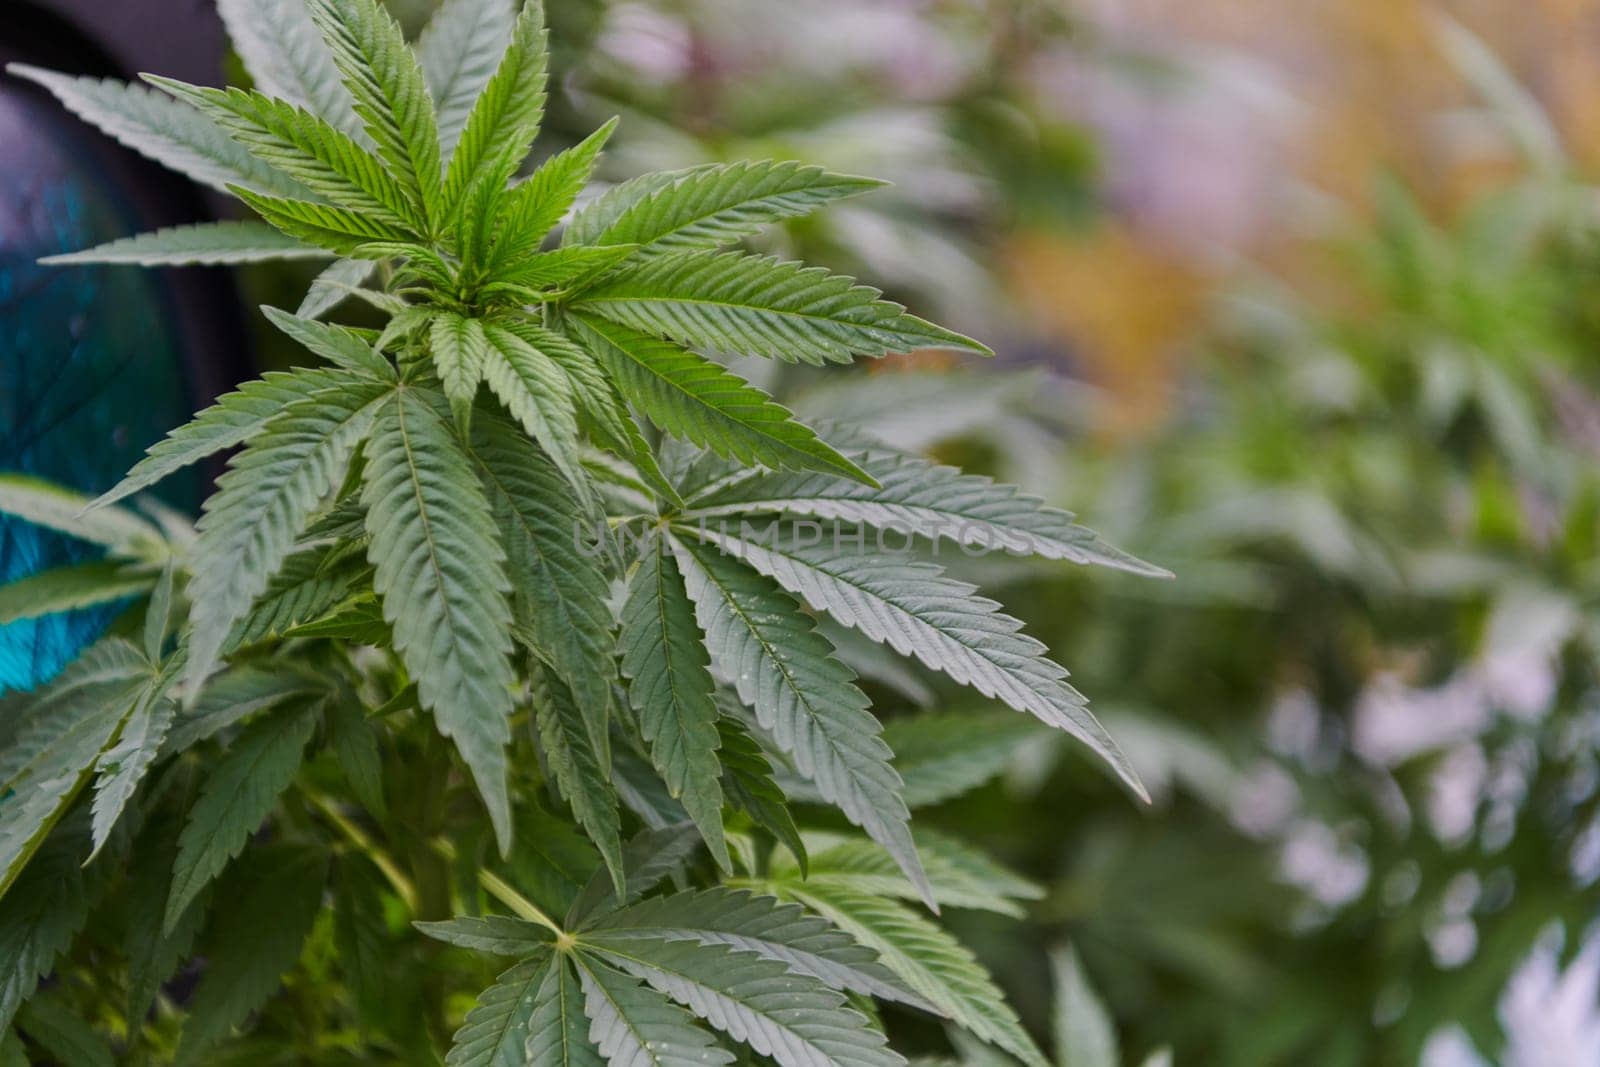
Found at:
[502, 891]
[403, 886]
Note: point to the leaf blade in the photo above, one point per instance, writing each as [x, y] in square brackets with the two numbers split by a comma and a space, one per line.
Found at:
[262, 503]
[496, 1031]
[694, 398]
[581, 768]
[78, 585]
[797, 1021]
[559, 592]
[930, 961]
[240, 792]
[232, 420]
[532, 209]
[634, 1026]
[163, 129]
[740, 919]
[277, 894]
[540, 396]
[557, 1031]
[714, 205]
[916, 497]
[460, 352]
[508, 110]
[801, 694]
[910, 605]
[287, 58]
[391, 96]
[669, 687]
[1084, 1033]
[120, 531]
[459, 50]
[121, 768]
[439, 573]
[755, 305]
[200, 244]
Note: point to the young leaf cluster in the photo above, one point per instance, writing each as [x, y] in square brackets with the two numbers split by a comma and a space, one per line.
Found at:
[459, 517]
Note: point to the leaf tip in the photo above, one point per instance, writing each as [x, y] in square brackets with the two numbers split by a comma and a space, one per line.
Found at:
[97, 503]
[1135, 784]
[162, 82]
[29, 72]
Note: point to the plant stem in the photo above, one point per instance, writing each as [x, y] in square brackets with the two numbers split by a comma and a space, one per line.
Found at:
[502, 891]
[403, 886]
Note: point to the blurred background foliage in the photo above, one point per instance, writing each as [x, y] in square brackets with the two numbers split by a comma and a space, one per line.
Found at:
[1298, 301]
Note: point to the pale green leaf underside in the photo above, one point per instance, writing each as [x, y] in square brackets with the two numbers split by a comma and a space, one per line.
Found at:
[53, 749]
[930, 961]
[232, 420]
[558, 1029]
[123, 766]
[962, 877]
[263, 502]
[77, 585]
[806, 943]
[460, 352]
[918, 498]
[796, 1020]
[287, 58]
[203, 244]
[459, 51]
[118, 530]
[913, 607]
[169, 132]
[330, 287]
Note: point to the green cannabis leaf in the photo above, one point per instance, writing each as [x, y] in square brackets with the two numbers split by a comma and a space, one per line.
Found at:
[450, 572]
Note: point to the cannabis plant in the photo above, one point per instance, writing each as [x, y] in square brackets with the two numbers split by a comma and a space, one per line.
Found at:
[454, 527]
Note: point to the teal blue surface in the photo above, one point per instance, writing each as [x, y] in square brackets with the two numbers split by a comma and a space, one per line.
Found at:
[91, 368]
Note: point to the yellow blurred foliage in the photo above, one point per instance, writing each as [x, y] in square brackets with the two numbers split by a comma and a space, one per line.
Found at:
[1373, 91]
[1123, 306]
